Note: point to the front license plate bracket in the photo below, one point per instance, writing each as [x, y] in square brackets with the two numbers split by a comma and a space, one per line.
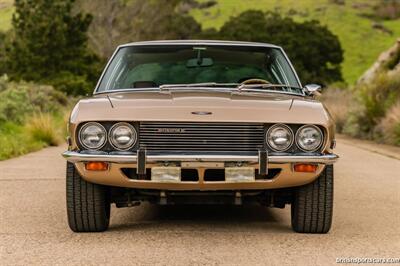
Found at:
[239, 174]
[166, 174]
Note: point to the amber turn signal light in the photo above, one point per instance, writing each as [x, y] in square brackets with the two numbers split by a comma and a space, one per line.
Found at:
[96, 166]
[306, 168]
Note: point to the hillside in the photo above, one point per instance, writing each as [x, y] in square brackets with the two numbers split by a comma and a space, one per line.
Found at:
[361, 42]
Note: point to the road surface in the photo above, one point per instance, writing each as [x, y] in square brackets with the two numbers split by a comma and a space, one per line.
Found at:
[34, 230]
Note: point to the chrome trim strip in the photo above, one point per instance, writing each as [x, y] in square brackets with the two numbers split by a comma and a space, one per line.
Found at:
[199, 43]
[74, 157]
[232, 91]
[104, 70]
[292, 67]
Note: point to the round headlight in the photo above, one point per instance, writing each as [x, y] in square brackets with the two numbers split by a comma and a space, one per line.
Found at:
[92, 136]
[279, 137]
[309, 138]
[123, 136]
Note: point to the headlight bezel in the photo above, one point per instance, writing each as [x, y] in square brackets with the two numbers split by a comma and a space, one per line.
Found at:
[86, 125]
[111, 140]
[311, 126]
[291, 133]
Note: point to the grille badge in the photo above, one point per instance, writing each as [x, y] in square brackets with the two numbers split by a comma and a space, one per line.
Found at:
[201, 113]
[171, 130]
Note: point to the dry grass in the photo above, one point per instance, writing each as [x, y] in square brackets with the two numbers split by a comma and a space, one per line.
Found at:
[338, 102]
[42, 128]
[389, 126]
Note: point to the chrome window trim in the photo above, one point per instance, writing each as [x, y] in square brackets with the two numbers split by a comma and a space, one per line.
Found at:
[210, 43]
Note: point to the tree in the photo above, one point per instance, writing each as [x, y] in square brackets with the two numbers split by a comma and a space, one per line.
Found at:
[3, 54]
[116, 22]
[314, 50]
[50, 45]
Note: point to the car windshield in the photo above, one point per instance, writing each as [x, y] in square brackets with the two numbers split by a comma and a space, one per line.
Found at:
[156, 65]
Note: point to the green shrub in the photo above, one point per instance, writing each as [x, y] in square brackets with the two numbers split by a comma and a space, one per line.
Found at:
[374, 99]
[3, 82]
[46, 98]
[355, 124]
[72, 84]
[380, 95]
[31, 117]
[14, 105]
[388, 130]
[23, 99]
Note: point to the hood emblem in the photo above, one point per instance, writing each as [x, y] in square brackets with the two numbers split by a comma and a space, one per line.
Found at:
[201, 113]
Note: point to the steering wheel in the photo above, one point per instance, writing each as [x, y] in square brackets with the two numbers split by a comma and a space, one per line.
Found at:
[254, 81]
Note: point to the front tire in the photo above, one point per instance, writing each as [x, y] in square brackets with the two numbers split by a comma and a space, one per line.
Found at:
[88, 205]
[313, 204]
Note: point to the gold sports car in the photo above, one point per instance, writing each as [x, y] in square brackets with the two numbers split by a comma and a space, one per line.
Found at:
[200, 122]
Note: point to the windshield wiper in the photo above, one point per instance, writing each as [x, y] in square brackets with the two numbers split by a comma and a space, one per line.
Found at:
[235, 87]
[268, 87]
[198, 85]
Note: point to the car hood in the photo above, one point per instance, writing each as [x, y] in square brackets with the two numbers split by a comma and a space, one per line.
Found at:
[200, 106]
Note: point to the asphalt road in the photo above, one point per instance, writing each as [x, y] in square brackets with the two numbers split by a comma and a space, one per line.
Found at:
[33, 227]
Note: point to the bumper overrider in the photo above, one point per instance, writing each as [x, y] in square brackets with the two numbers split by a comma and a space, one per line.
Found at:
[115, 173]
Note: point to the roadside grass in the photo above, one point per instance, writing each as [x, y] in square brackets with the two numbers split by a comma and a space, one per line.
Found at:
[362, 43]
[32, 117]
[14, 141]
[42, 128]
[39, 131]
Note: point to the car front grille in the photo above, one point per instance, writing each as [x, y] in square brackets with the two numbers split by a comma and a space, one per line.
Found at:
[201, 137]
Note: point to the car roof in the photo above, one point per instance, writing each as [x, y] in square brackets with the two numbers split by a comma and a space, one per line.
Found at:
[200, 42]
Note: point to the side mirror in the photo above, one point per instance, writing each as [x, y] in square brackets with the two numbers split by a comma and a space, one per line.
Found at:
[313, 89]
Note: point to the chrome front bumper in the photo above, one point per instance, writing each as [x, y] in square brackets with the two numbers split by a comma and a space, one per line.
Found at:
[114, 176]
[75, 157]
